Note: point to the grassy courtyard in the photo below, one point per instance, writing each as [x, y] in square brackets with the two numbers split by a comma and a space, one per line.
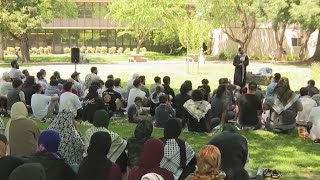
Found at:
[297, 159]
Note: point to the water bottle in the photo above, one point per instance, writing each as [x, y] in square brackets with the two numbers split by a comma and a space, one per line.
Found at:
[259, 175]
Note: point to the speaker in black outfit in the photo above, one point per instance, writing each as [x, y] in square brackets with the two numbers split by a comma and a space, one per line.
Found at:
[75, 55]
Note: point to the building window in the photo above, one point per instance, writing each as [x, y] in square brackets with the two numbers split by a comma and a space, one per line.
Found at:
[296, 42]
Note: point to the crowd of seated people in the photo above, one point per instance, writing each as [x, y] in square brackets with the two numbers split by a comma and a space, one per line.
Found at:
[63, 152]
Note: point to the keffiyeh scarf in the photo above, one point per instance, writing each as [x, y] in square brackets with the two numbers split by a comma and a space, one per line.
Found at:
[198, 109]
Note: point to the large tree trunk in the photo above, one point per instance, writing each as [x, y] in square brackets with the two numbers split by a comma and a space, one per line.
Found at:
[316, 55]
[1, 48]
[25, 48]
[304, 44]
[279, 37]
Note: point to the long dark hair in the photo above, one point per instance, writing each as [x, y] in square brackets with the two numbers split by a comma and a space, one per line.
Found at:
[221, 90]
[30, 81]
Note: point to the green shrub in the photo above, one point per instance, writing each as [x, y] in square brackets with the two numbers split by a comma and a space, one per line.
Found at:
[91, 50]
[83, 49]
[120, 50]
[11, 50]
[50, 49]
[112, 50]
[16, 48]
[315, 67]
[104, 50]
[46, 50]
[143, 49]
[67, 50]
[127, 51]
[291, 58]
[265, 58]
[227, 55]
[98, 49]
[41, 50]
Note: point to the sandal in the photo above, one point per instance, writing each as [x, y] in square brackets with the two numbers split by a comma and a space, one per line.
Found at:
[276, 174]
[267, 173]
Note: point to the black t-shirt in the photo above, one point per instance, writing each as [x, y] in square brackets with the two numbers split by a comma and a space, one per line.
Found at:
[110, 96]
[8, 164]
[249, 104]
[179, 101]
[207, 90]
[91, 105]
[168, 90]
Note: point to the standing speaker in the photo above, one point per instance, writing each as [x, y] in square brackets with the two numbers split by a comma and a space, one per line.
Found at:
[75, 55]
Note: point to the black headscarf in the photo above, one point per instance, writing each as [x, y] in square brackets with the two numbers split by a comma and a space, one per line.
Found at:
[96, 165]
[101, 118]
[143, 129]
[93, 92]
[172, 128]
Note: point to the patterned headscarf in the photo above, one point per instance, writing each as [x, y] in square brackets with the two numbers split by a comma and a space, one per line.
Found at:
[282, 90]
[209, 161]
[71, 146]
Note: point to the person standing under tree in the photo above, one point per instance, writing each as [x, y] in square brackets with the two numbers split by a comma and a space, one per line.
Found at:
[240, 61]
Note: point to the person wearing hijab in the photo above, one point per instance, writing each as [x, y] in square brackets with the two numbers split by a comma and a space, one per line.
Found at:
[71, 146]
[152, 176]
[234, 152]
[117, 153]
[7, 163]
[151, 156]
[142, 133]
[22, 133]
[91, 103]
[32, 171]
[179, 157]
[197, 113]
[97, 166]
[47, 155]
[284, 105]
[208, 164]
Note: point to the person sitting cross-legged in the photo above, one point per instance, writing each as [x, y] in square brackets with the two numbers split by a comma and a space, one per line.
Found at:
[15, 95]
[197, 113]
[179, 157]
[97, 165]
[136, 92]
[307, 104]
[250, 107]
[112, 98]
[157, 81]
[70, 101]
[180, 99]
[153, 101]
[284, 106]
[135, 111]
[142, 133]
[43, 105]
[151, 155]
[22, 133]
[313, 125]
[208, 163]
[92, 103]
[7, 162]
[163, 112]
[47, 155]
[234, 152]
[117, 153]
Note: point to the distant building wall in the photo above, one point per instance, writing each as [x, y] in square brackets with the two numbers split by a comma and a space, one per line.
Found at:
[263, 42]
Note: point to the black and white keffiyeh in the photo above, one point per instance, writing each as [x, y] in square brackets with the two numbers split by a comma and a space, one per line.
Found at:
[198, 109]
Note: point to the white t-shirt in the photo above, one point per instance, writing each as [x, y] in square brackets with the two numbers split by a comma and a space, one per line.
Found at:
[70, 101]
[39, 105]
[16, 74]
[135, 92]
[315, 119]
[5, 87]
[307, 103]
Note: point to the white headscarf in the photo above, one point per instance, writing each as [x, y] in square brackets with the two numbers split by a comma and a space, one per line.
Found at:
[152, 176]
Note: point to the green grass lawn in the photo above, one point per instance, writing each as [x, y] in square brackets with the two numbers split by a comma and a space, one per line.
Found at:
[295, 158]
[105, 58]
